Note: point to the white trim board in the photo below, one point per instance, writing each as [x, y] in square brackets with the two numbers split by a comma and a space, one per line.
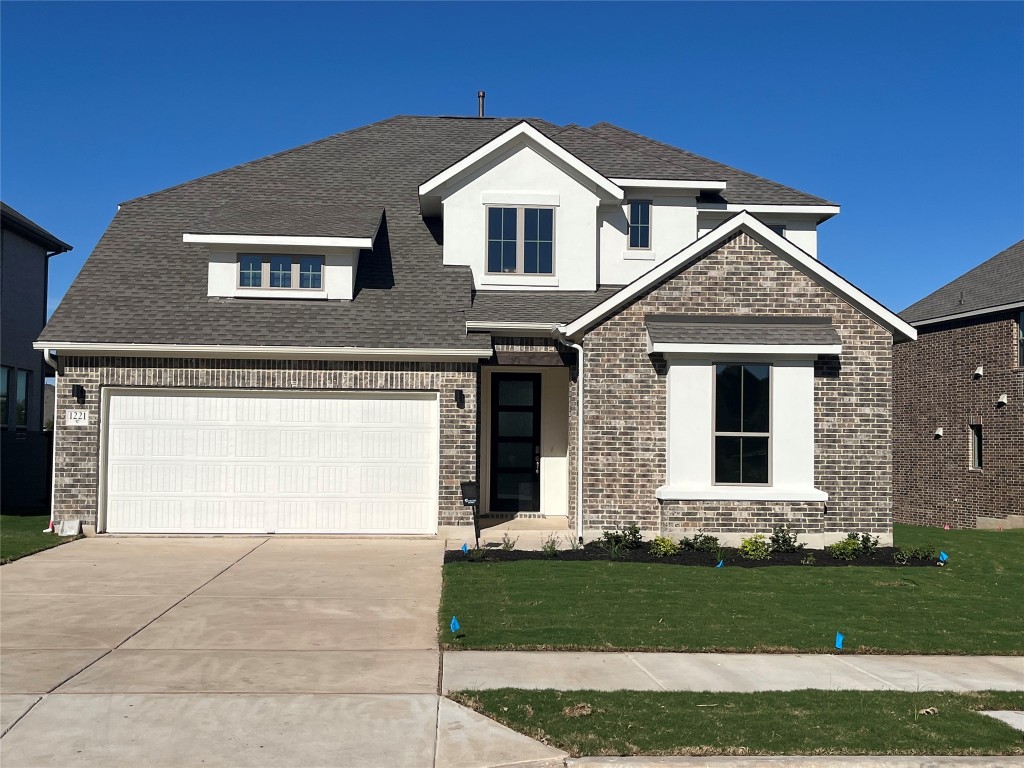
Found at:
[671, 184]
[526, 131]
[742, 222]
[252, 352]
[704, 350]
[284, 241]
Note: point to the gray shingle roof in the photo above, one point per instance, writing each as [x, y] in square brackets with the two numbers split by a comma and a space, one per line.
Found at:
[740, 329]
[741, 187]
[142, 284]
[24, 226]
[993, 283]
[535, 306]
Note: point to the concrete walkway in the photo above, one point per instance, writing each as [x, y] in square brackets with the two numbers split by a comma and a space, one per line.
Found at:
[236, 651]
[477, 670]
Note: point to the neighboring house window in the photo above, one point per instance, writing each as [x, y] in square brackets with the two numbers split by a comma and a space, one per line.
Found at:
[21, 400]
[640, 224]
[742, 429]
[280, 271]
[520, 240]
[977, 447]
[5, 376]
[1020, 340]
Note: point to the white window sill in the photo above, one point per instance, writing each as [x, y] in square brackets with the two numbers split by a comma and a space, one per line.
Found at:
[639, 255]
[278, 293]
[740, 493]
[540, 281]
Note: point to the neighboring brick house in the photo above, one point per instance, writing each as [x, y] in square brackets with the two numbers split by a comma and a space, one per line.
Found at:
[25, 446]
[958, 401]
[333, 339]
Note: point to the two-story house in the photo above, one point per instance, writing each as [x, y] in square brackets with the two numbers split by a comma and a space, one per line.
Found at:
[595, 327]
[25, 449]
[958, 401]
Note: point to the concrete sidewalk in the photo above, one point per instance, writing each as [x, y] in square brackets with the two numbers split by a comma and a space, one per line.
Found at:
[739, 672]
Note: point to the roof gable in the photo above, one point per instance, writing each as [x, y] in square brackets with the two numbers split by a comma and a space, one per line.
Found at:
[741, 222]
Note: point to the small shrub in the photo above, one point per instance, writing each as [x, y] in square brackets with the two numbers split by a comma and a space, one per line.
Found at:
[476, 554]
[755, 548]
[900, 557]
[845, 549]
[868, 543]
[550, 545]
[662, 546]
[701, 542]
[784, 540]
[904, 555]
[808, 559]
[508, 543]
[615, 548]
[573, 544]
[628, 538]
[719, 554]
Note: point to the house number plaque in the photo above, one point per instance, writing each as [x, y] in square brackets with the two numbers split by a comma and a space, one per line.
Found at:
[76, 418]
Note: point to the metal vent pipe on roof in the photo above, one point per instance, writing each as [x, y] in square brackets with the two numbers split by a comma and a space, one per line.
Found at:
[480, 96]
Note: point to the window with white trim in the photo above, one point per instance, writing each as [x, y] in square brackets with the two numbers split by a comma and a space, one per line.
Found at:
[520, 240]
[280, 271]
[742, 424]
[640, 224]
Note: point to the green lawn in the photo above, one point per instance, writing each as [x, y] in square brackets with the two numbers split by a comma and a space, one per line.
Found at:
[22, 534]
[771, 723]
[971, 606]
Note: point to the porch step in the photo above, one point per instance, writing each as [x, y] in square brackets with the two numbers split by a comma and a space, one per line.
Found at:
[548, 523]
[992, 523]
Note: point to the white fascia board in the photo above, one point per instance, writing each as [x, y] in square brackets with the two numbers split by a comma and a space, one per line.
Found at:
[817, 210]
[521, 130]
[280, 240]
[717, 186]
[255, 352]
[971, 313]
[702, 245]
[488, 325]
[704, 350]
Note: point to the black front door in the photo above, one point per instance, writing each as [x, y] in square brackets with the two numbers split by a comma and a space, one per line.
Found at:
[515, 442]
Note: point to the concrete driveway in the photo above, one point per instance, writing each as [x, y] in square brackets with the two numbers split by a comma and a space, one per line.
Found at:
[233, 652]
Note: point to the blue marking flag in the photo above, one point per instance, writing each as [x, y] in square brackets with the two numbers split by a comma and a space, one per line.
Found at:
[465, 548]
[943, 557]
[721, 564]
[455, 625]
[839, 640]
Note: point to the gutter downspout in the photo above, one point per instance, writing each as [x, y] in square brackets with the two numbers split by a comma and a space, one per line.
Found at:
[579, 431]
[50, 361]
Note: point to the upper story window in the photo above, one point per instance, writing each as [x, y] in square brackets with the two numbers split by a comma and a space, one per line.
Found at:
[280, 271]
[778, 229]
[742, 423]
[520, 240]
[640, 224]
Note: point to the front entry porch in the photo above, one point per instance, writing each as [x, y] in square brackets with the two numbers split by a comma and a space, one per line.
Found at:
[524, 446]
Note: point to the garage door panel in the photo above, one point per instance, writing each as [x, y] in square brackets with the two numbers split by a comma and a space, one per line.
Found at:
[230, 462]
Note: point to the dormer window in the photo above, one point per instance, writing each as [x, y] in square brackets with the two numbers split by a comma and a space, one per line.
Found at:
[280, 271]
[640, 224]
[520, 240]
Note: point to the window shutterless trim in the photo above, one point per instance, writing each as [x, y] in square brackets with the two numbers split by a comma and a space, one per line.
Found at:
[977, 446]
[648, 225]
[296, 260]
[520, 239]
[715, 434]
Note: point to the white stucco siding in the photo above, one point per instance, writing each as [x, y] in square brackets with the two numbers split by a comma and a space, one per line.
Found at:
[673, 227]
[690, 415]
[801, 230]
[524, 176]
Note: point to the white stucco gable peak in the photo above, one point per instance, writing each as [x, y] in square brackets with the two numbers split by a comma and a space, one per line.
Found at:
[749, 224]
[520, 132]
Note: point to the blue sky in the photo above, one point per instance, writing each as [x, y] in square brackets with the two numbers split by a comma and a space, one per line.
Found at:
[911, 115]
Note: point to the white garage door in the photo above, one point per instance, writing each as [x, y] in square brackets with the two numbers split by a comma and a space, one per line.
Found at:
[256, 462]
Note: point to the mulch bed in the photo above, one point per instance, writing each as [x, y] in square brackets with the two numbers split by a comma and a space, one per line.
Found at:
[881, 557]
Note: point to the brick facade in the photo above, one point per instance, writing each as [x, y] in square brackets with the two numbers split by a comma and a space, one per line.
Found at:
[625, 407]
[934, 385]
[77, 471]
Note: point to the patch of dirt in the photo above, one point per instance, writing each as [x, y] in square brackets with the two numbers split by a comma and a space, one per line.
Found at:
[578, 710]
